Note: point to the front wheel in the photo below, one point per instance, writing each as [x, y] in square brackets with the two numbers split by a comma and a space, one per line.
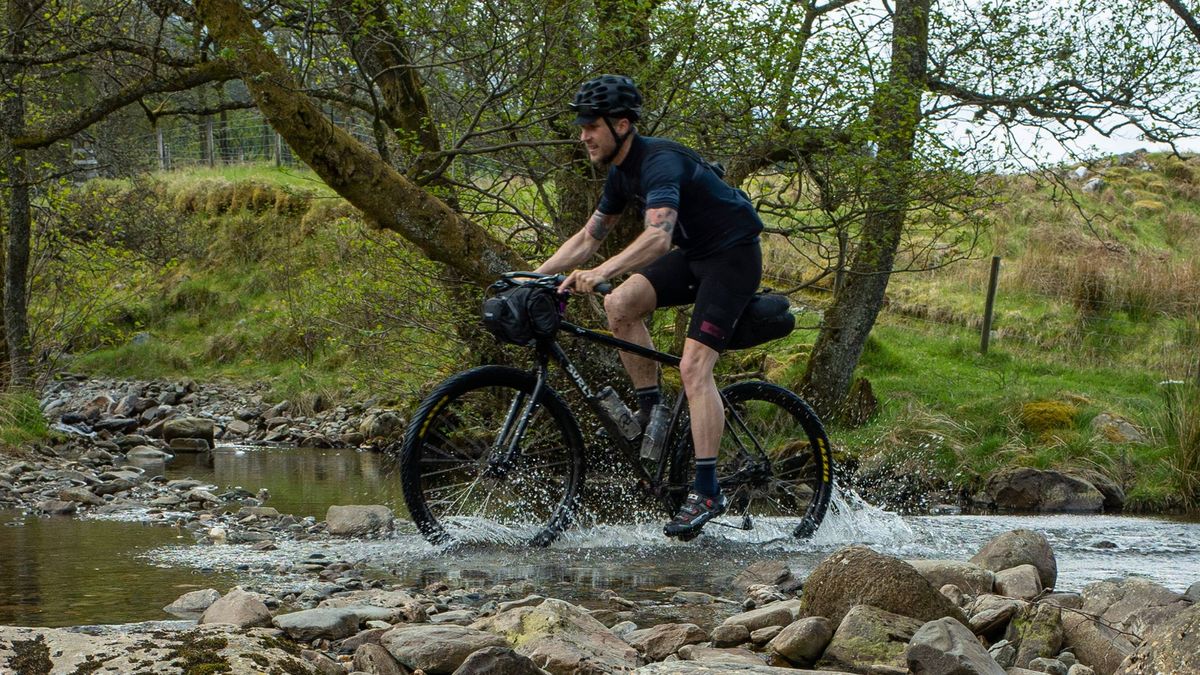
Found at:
[482, 461]
[774, 463]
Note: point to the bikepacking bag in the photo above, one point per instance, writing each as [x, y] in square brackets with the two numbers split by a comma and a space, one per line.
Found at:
[767, 317]
[522, 314]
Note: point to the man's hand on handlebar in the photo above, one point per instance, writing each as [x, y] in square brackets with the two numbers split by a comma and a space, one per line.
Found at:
[584, 281]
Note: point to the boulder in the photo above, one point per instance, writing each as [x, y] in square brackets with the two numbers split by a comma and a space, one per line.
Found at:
[353, 521]
[765, 635]
[802, 642]
[969, 578]
[775, 614]
[1117, 429]
[498, 661]
[562, 638]
[312, 624]
[1028, 489]
[1022, 582]
[857, 575]
[1037, 633]
[374, 659]
[659, 642]
[192, 605]
[189, 445]
[1019, 547]
[188, 427]
[870, 638]
[730, 636]
[57, 507]
[81, 495]
[993, 612]
[725, 668]
[946, 647]
[714, 655]
[436, 649]
[769, 572]
[385, 424]
[239, 608]
[1123, 606]
[1172, 647]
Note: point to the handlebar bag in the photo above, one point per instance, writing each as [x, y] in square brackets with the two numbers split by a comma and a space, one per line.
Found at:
[767, 317]
[521, 314]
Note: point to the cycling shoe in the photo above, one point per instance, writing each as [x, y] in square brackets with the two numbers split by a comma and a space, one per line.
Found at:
[695, 512]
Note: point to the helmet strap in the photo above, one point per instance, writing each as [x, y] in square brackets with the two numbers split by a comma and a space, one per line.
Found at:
[620, 141]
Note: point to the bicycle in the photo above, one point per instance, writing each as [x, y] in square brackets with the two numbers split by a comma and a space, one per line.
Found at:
[496, 445]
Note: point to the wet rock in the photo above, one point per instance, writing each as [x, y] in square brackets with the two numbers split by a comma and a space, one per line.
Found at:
[498, 661]
[436, 649]
[238, 428]
[764, 572]
[869, 637]
[351, 521]
[1029, 489]
[189, 445]
[192, 605]
[80, 495]
[311, 624]
[1037, 634]
[858, 575]
[239, 608]
[693, 598]
[562, 638]
[115, 424]
[146, 452]
[189, 427]
[775, 614]
[660, 641]
[1019, 547]
[946, 647]
[1020, 582]
[1193, 592]
[969, 578]
[57, 507]
[802, 642]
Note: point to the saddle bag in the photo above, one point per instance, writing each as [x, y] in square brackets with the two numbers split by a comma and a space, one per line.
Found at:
[520, 315]
[767, 317]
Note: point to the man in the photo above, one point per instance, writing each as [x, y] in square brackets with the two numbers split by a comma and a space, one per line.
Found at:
[716, 263]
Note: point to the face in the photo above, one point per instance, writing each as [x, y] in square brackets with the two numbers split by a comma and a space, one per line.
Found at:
[598, 140]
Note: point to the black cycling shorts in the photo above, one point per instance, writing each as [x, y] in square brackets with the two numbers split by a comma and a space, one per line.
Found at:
[720, 285]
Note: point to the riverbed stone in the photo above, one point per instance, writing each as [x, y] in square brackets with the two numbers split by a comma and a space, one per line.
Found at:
[385, 424]
[858, 575]
[1171, 647]
[968, 577]
[192, 605]
[239, 608]
[1019, 547]
[658, 642]
[769, 572]
[375, 659]
[355, 520]
[81, 495]
[765, 635]
[990, 613]
[729, 655]
[869, 637]
[436, 649]
[498, 661]
[802, 642]
[1036, 633]
[562, 638]
[730, 635]
[189, 445]
[1028, 489]
[1122, 606]
[147, 452]
[1020, 582]
[189, 427]
[527, 601]
[312, 624]
[57, 507]
[779, 613]
[705, 668]
[946, 647]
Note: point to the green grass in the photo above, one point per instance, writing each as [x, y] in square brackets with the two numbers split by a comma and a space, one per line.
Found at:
[21, 420]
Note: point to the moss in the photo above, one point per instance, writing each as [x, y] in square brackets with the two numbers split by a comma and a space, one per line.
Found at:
[258, 659]
[1042, 416]
[31, 656]
[293, 667]
[197, 655]
[281, 644]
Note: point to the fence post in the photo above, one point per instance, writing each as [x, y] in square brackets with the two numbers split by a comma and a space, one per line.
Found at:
[990, 305]
[278, 151]
[162, 149]
[208, 141]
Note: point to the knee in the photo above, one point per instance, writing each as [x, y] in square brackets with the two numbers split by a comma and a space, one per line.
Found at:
[694, 371]
[620, 308]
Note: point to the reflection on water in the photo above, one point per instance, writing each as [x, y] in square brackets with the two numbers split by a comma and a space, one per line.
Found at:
[61, 571]
[302, 481]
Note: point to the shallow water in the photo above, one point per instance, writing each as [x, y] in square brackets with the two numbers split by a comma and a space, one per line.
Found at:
[64, 571]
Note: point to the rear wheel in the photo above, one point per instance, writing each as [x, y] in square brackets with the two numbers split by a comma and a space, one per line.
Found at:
[774, 464]
[470, 472]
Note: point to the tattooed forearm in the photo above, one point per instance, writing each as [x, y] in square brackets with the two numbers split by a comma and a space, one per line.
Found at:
[599, 225]
[663, 219]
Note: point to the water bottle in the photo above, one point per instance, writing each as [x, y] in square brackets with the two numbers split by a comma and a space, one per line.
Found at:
[656, 433]
[619, 413]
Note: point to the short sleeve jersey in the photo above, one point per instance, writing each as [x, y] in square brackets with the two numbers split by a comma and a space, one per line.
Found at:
[658, 173]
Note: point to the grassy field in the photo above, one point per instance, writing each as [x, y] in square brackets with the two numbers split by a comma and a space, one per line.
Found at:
[264, 275]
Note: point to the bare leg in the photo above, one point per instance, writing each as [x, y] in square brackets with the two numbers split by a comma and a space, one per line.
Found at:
[704, 401]
[627, 308]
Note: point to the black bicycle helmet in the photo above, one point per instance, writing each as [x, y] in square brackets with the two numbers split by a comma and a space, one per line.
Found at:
[607, 96]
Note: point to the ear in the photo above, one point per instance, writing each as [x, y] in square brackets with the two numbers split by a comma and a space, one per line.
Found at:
[623, 125]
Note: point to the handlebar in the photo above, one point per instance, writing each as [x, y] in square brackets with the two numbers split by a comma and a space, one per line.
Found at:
[551, 280]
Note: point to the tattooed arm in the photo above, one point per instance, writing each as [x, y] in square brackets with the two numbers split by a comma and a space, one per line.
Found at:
[581, 246]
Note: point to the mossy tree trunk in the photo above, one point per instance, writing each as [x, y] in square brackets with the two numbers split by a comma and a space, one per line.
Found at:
[894, 117]
[16, 267]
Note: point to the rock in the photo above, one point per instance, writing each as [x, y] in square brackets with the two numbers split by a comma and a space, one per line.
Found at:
[802, 642]
[461, 617]
[498, 661]
[953, 594]
[259, 511]
[323, 664]
[693, 598]
[239, 608]
[869, 637]
[1080, 669]
[1122, 606]
[1094, 185]
[775, 614]
[116, 424]
[724, 668]
[1193, 592]
[1037, 634]
[857, 575]
[946, 647]
[969, 578]
[1019, 547]
[312, 624]
[1117, 429]
[192, 605]
[353, 521]
[769, 572]
[238, 428]
[1047, 665]
[189, 427]
[1028, 489]
[659, 642]
[623, 629]
[562, 638]
[1080, 173]
[992, 612]
[436, 649]
[719, 656]
[189, 445]
[527, 601]
[57, 507]
[81, 495]
[765, 635]
[1004, 653]
[384, 424]
[374, 659]
[147, 452]
[1022, 582]
[730, 636]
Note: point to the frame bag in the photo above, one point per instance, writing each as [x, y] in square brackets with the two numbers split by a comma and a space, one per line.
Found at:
[767, 317]
[522, 314]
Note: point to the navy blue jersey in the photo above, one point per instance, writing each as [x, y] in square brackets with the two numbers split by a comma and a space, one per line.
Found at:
[659, 173]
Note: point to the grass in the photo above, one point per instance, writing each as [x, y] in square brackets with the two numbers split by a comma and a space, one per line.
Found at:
[21, 419]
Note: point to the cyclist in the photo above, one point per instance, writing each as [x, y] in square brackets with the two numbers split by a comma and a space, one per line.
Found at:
[700, 245]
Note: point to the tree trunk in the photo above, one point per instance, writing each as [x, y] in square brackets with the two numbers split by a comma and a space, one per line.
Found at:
[351, 169]
[895, 115]
[16, 269]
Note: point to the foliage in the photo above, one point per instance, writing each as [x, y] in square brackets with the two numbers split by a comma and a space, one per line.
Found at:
[1179, 424]
[21, 419]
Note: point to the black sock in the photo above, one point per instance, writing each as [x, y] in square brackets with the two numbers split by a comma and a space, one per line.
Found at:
[706, 477]
[647, 397]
